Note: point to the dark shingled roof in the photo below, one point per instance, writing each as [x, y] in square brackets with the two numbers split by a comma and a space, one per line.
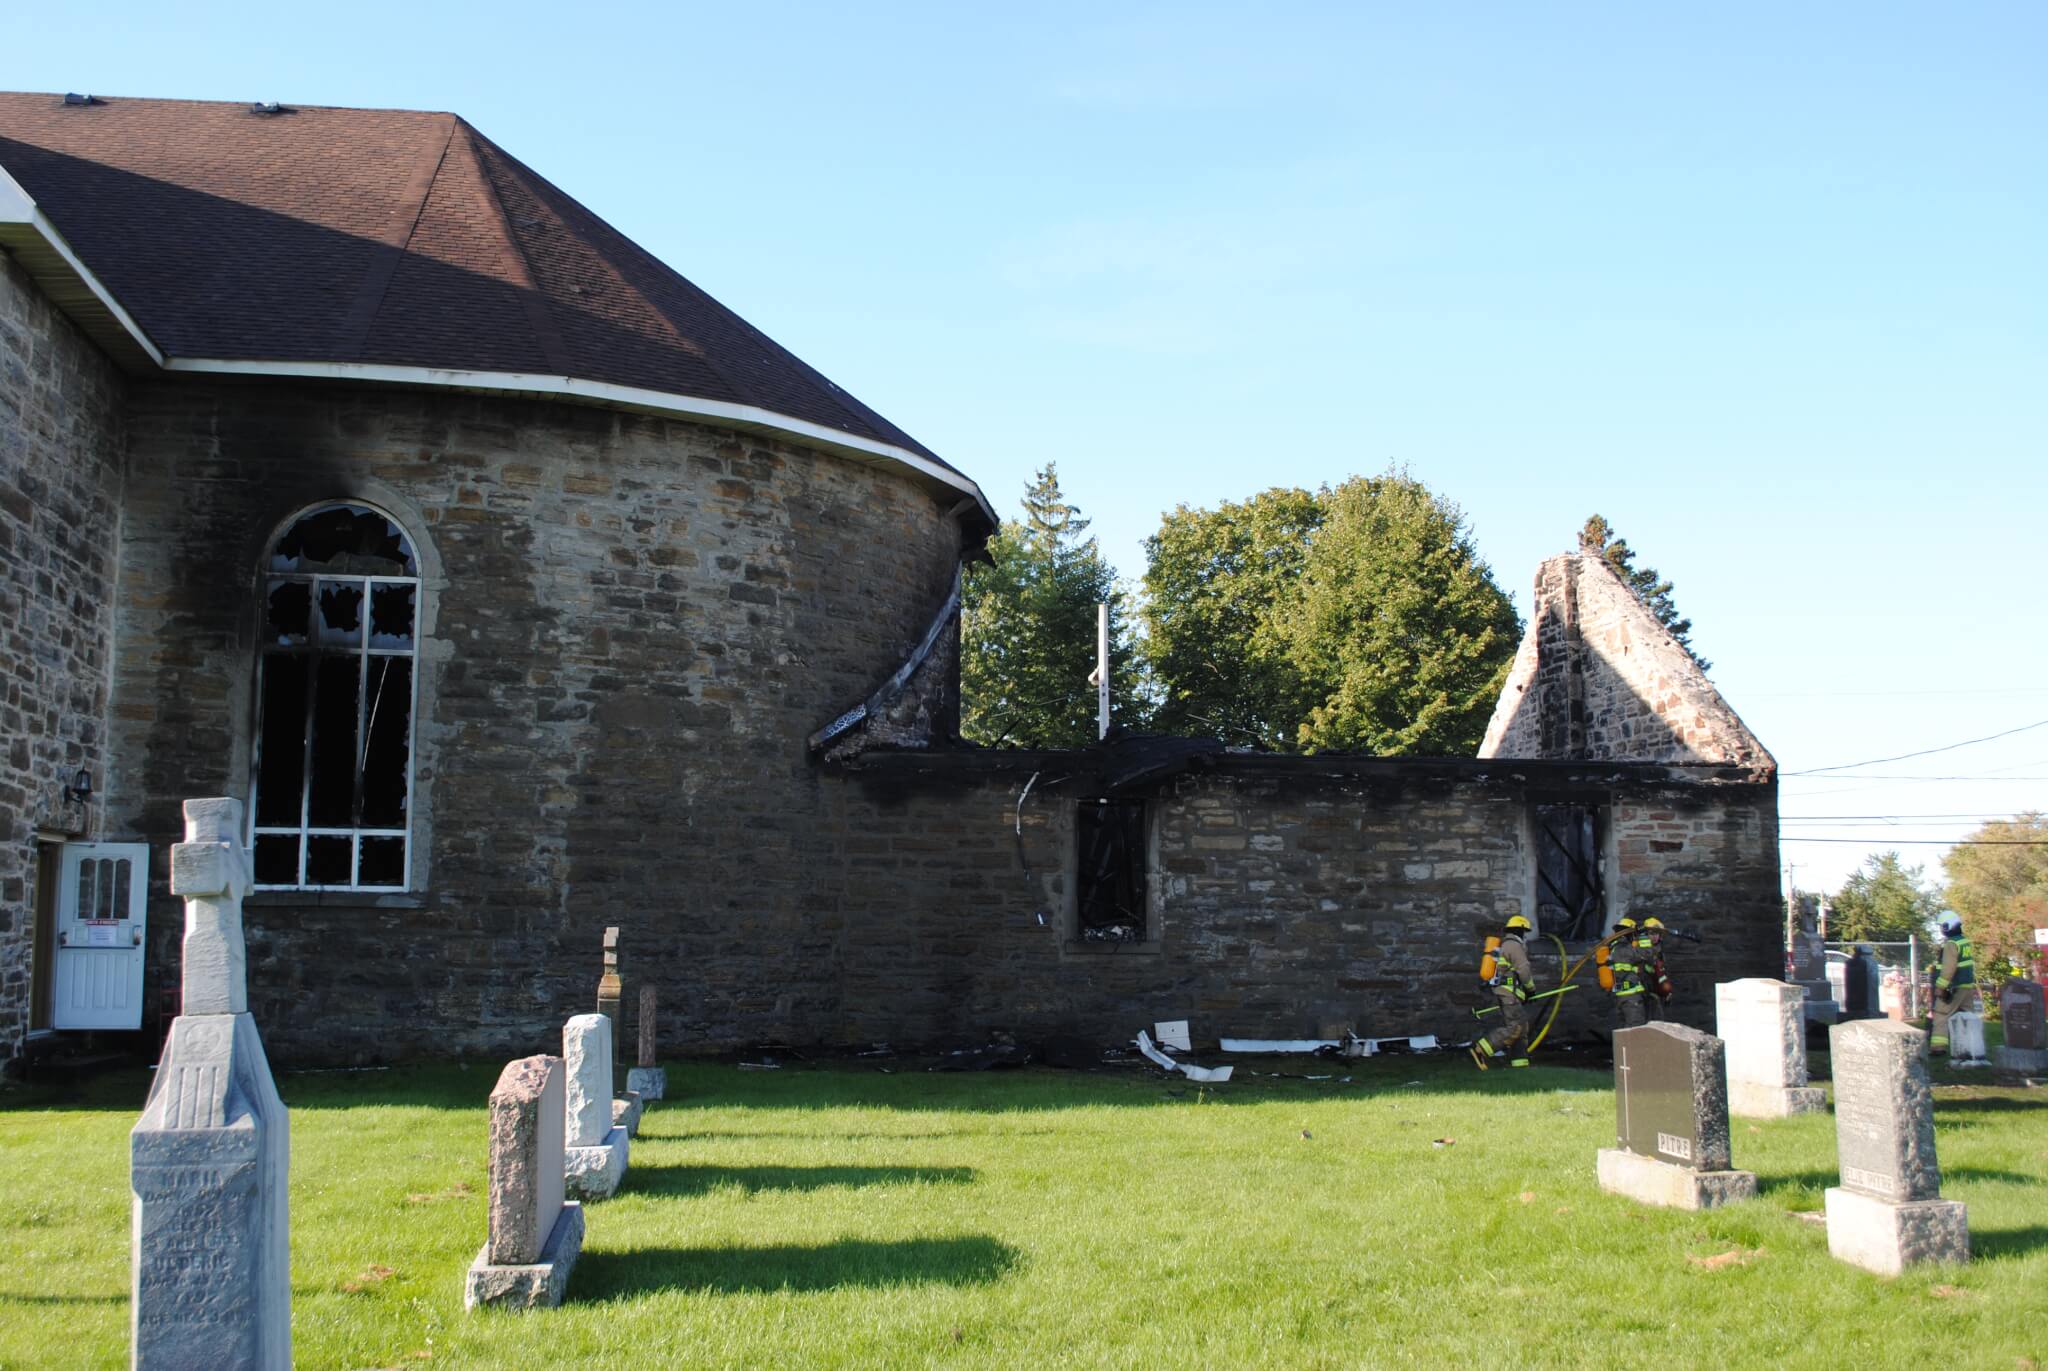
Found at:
[386, 237]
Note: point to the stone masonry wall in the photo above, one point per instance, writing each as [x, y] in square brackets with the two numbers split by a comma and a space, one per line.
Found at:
[60, 487]
[1282, 903]
[631, 627]
[1598, 678]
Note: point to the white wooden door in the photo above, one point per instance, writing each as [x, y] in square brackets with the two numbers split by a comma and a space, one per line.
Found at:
[102, 907]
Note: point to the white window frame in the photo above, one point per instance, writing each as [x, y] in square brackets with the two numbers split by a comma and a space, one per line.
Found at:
[312, 650]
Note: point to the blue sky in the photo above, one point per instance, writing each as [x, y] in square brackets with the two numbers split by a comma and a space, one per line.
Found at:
[1764, 284]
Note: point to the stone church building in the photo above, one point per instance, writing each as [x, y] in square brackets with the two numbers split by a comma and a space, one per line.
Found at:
[519, 588]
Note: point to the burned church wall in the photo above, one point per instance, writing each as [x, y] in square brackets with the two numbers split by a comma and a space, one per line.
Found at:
[60, 486]
[631, 627]
[1287, 894]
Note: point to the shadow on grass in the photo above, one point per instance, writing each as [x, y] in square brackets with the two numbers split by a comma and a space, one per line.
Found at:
[8, 1297]
[700, 1180]
[1988, 1104]
[1796, 1180]
[848, 1263]
[2007, 1242]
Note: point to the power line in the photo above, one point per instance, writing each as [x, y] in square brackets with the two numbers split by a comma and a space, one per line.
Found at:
[1986, 814]
[1925, 752]
[1981, 779]
[1922, 842]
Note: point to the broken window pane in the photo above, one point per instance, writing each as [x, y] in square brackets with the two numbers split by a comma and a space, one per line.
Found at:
[391, 614]
[387, 752]
[1569, 840]
[281, 747]
[277, 859]
[328, 860]
[331, 790]
[346, 539]
[88, 882]
[383, 862]
[1109, 845]
[341, 613]
[290, 604]
[117, 903]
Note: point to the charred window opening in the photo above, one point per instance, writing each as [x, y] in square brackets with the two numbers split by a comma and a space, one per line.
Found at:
[1109, 889]
[334, 697]
[1569, 874]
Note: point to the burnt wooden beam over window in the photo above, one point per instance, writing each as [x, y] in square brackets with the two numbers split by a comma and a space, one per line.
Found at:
[335, 688]
[1569, 875]
[1109, 889]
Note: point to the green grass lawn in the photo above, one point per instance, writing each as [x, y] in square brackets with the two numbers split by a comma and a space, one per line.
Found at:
[847, 1217]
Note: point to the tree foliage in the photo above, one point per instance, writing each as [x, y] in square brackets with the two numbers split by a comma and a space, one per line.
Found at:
[2000, 887]
[1884, 903]
[1027, 629]
[1359, 618]
[1213, 579]
[1597, 536]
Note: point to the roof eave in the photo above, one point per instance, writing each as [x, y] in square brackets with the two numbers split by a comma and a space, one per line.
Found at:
[28, 236]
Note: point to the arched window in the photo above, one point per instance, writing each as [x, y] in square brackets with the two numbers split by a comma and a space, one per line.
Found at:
[335, 683]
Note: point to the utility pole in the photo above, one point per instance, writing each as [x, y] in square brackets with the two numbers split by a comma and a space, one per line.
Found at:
[1101, 671]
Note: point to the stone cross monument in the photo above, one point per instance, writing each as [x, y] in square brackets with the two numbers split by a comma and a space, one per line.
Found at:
[211, 1281]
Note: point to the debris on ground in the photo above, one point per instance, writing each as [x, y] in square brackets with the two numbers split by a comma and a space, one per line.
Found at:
[996, 1056]
[760, 1066]
[1209, 1074]
[372, 1276]
[1443, 1142]
[1735, 1256]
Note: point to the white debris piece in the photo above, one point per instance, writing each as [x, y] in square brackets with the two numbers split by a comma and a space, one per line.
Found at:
[1211, 1075]
[1172, 1035]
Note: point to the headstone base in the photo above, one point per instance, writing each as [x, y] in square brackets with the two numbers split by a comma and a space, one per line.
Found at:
[1674, 1187]
[1884, 1237]
[2020, 1058]
[539, 1286]
[626, 1113]
[648, 1082]
[1822, 1011]
[1752, 1101]
[593, 1173]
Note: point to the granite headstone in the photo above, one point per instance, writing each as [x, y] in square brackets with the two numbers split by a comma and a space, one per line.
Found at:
[1671, 1120]
[535, 1234]
[2021, 1018]
[1888, 1212]
[648, 1079]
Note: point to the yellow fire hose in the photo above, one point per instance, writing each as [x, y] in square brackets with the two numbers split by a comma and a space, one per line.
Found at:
[1565, 976]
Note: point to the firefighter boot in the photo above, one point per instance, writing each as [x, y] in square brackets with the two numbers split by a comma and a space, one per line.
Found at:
[1482, 1053]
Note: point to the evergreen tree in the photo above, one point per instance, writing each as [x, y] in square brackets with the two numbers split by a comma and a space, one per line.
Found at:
[1883, 903]
[1027, 630]
[1598, 537]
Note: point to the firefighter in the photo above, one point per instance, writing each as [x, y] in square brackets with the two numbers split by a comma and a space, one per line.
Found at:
[1955, 981]
[1505, 968]
[1650, 954]
[1632, 948]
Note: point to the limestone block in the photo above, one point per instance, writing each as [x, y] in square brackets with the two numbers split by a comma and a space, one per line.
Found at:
[211, 1275]
[527, 1170]
[626, 1113]
[648, 1082]
[1884, 1237]
[1650, 1181]
[2019, 1058]
[587, 1052]
[216, 966]
[1749, 1100]
[540, 1284]
[1966, 1038]
[593, 1173]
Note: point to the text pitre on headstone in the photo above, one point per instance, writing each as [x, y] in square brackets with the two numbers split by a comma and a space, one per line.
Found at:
[212, 1276]
[1763, 1025]
[535, 1234]
[1888, 1212]
[1671, 1121]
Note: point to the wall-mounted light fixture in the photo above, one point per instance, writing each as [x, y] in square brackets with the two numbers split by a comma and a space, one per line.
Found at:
[80, 790]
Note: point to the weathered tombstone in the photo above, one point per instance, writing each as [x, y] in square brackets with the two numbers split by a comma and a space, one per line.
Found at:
[1809, 956]
[610, 996]
[1763, 1025]
[594, 1155]
[648, 1079]
[2022, 1017]
[535, 1234]
[1671, 1121]
[1888, 1212]
[1862, 980]
[1966, 1039]
[211, 1279]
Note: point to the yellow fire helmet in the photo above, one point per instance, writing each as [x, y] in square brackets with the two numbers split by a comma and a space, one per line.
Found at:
[1517, 921]
[1653, 922]
[1624, 922]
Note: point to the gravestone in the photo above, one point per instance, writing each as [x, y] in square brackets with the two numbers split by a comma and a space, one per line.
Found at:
[1763, 1026]
[611, 991]
[1888, 1212]
[594, 1154]
[1966, 1039]
[1862, 986]
[2020, 1014]
[535, 1234]
[211, 1274]
[648, 1079]
[1671, 1121]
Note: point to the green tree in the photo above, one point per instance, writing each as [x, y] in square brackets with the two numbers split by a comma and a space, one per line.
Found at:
[1027, 630]
[1883, 903]
[1213, 579]
[1999, 886]
[1397, 628]
[1598, 537]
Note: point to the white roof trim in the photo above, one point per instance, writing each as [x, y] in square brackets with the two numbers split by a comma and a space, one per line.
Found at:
[604, 392]
[18, 207]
